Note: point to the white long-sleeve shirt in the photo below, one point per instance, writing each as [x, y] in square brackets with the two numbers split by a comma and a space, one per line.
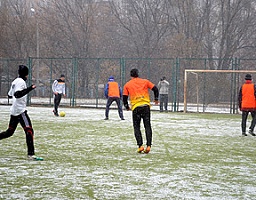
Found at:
[18, 104]
[163, 87]
[59, 86]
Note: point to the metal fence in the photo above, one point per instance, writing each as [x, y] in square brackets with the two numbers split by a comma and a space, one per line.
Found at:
[86, 79]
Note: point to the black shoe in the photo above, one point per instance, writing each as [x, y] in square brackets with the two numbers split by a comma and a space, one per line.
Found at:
[244, 134]
[122, 119]
[55, 113]
[106, 118]
[251, 132]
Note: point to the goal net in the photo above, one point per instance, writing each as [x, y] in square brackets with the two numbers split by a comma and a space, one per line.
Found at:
[213, 90]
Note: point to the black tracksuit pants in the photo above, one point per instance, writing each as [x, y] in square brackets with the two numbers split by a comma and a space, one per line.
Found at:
[26, 124]
[57, 99]
[244, 119]
[142, 112]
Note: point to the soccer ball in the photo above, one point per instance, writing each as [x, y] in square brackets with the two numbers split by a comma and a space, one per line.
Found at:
[62, 114]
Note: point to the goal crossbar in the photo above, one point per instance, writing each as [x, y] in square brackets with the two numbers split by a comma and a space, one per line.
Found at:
[207, 71]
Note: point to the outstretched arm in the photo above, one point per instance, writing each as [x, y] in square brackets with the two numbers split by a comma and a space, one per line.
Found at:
[22, 93]
[156, 93]
[240, 98]
[125, 101]
[255, 90]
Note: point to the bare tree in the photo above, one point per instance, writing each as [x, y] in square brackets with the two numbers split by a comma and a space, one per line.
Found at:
[16, 28]
[68, 27]
[142, 24]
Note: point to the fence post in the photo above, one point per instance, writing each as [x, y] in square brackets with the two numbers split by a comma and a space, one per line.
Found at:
[234, 86]
[205, 66]
[97, 82]
[51, 82]
[174, 82]
[122, 69]
[73, 92]
[29, 63]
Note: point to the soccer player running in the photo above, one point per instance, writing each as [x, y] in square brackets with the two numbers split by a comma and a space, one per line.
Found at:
[247, 104]
[59, 89]
[18, 92]
[113, 93]
[137, 89]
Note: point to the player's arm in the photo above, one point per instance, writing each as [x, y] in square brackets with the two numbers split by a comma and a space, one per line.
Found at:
[125, 101]
[21, 93]
[54, 84]
[156, 93]
[240, 98]
[255, 91]
[106, 91]
[64, 90]
[10, 93]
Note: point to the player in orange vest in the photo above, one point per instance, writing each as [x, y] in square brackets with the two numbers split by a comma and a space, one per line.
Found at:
[113, 92]
[137, 88]
[247, 104]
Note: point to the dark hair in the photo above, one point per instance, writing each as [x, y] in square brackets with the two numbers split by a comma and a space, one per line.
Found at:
[248, 77]
[134, 73]
[62, 75]
[23, 70]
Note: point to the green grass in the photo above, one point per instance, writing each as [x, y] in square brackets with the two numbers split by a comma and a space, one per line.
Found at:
[194, 156]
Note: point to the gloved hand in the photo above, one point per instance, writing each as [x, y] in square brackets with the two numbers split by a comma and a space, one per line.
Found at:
[127, 107]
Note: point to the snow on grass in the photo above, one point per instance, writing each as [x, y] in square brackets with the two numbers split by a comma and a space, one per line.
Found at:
[194, 156]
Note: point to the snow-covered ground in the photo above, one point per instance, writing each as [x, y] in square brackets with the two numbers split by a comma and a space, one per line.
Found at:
[194, 156]
[101, 103]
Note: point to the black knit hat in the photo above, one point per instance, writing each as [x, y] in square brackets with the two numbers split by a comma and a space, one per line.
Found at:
[248, 77]
[134, 73]
[23, 71]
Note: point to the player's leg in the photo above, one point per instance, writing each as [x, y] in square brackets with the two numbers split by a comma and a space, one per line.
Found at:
[161, 102]
[120, 110]
[11, 129]
[136, 119]
[253, 122]
[147, 125]
[57, 100]
[28, 129]
[166, 102]
[109, 102]
[243, 124]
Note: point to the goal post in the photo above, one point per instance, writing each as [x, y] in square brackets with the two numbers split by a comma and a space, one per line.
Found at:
[195, 82]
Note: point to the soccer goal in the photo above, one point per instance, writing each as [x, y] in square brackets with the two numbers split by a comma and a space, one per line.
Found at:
[213, 90]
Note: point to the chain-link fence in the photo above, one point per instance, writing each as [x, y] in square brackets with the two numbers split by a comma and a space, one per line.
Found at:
[86, 79]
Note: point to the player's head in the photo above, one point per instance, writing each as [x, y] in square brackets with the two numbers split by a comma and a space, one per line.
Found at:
[111, 78]
[62, 77]
[134, 73]
[23, 72]
[248, 77]
[164, 78]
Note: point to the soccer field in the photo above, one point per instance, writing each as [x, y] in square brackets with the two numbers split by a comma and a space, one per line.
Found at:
[193, 156]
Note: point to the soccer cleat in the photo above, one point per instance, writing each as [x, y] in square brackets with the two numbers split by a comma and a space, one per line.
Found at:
[122, 119]
[106, 118]
[33, 157]
[244, 134]
[251, 132]
[147, 149]
[140, 149]
[55, 113]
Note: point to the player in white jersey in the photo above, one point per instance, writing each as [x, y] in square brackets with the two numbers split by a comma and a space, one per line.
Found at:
[58, 89]
[18, 92]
